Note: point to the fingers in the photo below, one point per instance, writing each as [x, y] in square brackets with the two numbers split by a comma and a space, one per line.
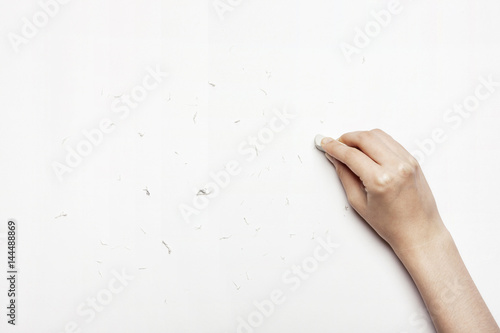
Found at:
[363, 166]
[371, 144]
[395, 146]
[354, 189]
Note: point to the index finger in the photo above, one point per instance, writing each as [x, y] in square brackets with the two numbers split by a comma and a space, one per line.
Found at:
[363, 166]
[371, 145]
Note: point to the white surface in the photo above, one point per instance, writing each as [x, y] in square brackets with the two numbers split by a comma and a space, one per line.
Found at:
[263, 55]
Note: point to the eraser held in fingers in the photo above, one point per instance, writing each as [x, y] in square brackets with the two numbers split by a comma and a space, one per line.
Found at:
[317, 142]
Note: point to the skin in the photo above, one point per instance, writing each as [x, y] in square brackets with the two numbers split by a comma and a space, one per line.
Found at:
[385, 185]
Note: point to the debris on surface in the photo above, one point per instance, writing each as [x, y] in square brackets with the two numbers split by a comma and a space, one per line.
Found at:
[147, 191]
[142, 230]
[63, 214]
[102, 243]
[198, 227]
[346, 207]
[237, 121]
[168, 248]
[141, 134]
[246, 221]
[248, 278]
[287, 202]
[203, 191]
[142, 268]
[194, 117]
[300, 159]
[225, 237]
[263, 91]
[212, 84]
[237, 287]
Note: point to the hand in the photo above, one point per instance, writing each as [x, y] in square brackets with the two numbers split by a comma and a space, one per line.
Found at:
[385, 185]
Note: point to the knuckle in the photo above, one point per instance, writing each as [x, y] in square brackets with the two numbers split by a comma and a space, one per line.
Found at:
[406, 170]
[414, 163]
[377, 131]
[383, 183]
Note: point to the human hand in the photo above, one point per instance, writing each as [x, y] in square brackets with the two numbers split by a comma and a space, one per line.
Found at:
[385, 185]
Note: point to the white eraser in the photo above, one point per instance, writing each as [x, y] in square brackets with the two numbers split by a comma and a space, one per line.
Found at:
[317, 142]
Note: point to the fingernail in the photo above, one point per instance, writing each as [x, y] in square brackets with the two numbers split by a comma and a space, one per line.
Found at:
[326, 141]
[317, 142]
[340, 140]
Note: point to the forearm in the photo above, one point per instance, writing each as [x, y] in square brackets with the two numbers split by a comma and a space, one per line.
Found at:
[387, 187]
[451, 297]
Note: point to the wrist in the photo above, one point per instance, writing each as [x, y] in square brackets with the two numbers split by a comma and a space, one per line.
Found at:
[434, 243]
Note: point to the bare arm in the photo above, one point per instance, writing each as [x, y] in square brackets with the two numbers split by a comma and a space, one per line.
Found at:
[386, 186]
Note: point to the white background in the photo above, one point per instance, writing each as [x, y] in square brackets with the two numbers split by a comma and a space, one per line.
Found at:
[263, 55]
